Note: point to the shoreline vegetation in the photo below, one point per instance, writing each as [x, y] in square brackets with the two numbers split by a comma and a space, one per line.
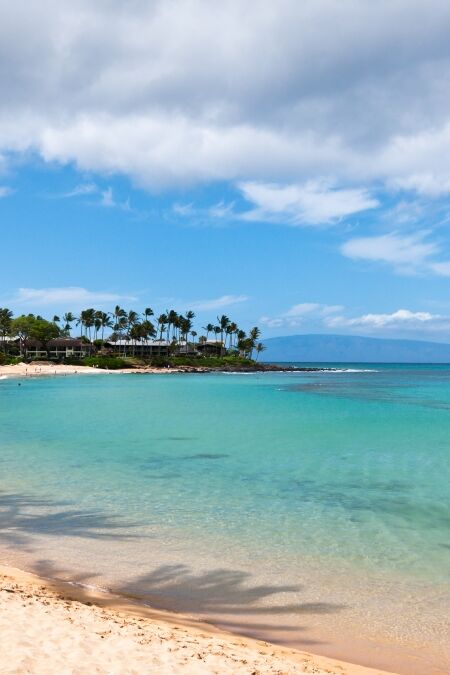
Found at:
[55, 626]
[167, 336]
[136, 343]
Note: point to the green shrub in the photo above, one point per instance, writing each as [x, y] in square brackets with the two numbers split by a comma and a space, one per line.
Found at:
[7, 360]
[199, 361]
[107, 362]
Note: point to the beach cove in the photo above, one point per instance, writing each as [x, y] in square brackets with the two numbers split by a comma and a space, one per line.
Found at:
[145, 487]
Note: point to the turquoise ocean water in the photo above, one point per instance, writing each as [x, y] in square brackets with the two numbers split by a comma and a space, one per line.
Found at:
[308, 508]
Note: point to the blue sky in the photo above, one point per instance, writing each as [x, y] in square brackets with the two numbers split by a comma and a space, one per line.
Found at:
[254, 162]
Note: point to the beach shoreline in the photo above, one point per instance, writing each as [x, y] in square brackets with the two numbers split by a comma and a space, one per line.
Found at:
[371, 634]
[47, 625]
[41, 369]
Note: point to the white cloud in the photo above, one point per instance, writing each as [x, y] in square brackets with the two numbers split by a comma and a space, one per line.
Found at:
[107, 197]
[408, 253]
[222, 210]
[217, 303]
[294, 316]
[302, 308]
[184, 210]
[109, 201]
[400, 320]
[72, 296]
[5, 191]
[311, 203]
[219, 211]
[270, 322]
[152, 97]
[318, 318]
[401, 316]
[441, 268]
[82, 189]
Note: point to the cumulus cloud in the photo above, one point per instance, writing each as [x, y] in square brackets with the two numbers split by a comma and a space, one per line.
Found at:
[311, 203]
[315, 317]
[217, 303]
[295, 315]
[73, 297]
[400, 318]
[402, 322]
[407, 253]
[353, 90]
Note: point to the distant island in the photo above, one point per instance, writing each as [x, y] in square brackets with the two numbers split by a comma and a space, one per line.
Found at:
[320, 348]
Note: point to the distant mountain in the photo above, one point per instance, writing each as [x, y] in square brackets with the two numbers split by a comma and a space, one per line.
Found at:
[349, 348]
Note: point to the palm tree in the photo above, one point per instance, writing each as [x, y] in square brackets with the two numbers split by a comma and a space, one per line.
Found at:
[122, 326]
[148, 312]
[231, 329]
[224, 322]
[148, 330]
[135, 333]
[209, 328]
[162, 322]
[172, 317]
[97, 325]
[243, 342]
[217, 331]
[118, 315]
[254, 335]
[87, 319]
[176, 326]
[132, 321]
[104, 321]
[68, 319]
[80, 322]
[259, 348]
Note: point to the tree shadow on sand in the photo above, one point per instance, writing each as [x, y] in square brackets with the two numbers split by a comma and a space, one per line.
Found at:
[222, 597]
[22, 516]
[228, 598]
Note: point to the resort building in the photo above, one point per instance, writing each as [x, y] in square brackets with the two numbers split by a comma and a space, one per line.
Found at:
[65, 348]
[141, 348]
[56, 349]
[211, 347]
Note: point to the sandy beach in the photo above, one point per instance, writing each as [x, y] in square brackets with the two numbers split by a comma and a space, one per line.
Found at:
[37, 369]
[53, 627]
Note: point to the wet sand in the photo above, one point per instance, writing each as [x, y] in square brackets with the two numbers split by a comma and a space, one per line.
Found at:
[54, 627]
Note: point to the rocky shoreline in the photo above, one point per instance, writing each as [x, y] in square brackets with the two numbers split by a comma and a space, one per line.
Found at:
[257, 368]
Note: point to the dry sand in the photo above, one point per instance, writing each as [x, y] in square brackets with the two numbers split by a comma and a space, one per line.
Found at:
[54, 628]
[42, 369]
[22, 370]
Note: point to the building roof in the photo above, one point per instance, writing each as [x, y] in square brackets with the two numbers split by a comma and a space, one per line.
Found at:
[66, 342]
[138, 343]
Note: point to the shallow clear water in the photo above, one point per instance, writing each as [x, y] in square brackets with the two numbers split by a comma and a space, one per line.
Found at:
[310, 507]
